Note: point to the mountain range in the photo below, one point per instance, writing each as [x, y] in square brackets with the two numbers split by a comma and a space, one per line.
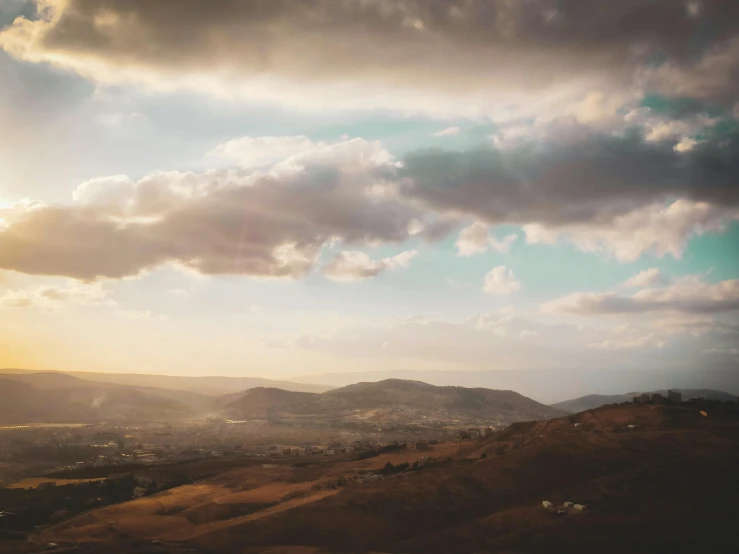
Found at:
[210, 385]
[58, 397]
[552, 385]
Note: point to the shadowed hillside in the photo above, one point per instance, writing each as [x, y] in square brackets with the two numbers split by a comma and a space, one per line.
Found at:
[506, 405]
[263, 402]
[653, 478]
[60, 399]
[389, 400]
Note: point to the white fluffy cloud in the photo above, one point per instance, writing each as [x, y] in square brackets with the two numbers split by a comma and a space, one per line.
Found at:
[690, 295]
[356, 266]
[618, 196]
[656, 229]
[501, 281]
[651, 277]
[476, 238]
[270, 222]
[473, 239]
[259, 151]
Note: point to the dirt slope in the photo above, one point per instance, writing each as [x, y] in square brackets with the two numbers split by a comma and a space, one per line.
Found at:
[656, 478]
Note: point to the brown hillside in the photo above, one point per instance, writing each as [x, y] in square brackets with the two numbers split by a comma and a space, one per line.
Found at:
[670, 483]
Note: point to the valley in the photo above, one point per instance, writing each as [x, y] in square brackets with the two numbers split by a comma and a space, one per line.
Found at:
[637, 468]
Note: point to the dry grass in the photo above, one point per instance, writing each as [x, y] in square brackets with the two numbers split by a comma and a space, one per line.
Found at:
[673, 466]
[34, 482]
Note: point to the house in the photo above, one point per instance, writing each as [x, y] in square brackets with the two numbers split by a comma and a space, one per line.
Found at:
[568, 504]
[580, 507]
[644, 398]
[547, 505]
[474, 432]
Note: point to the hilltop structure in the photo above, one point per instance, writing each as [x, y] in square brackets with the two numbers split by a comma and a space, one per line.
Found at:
[673, 397]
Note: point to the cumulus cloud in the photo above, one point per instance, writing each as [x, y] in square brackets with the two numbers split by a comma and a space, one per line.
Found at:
[656, 229]
[259, 151]
[113, 191]
[473, 239]
[270, 223]
[501, 280]
[476, 239]
[651, 277]
[621, 196]
[430, 52]
[356, 266]
[688, 295]
[503, 245]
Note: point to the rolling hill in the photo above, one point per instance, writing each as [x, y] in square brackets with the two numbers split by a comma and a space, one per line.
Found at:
[592, 401]
[207, 385]
[443, 402]
[390, 400]
[261, 402]
[60, 399]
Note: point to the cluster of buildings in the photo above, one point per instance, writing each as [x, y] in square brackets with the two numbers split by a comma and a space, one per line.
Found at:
[564, 508]
[313, 450]
[356, 446]
[673, 397]
[472, 433]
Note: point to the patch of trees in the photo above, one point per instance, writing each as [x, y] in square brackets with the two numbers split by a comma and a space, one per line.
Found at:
[95, 472]
[25, 509]
[28, 508]
[391, 469]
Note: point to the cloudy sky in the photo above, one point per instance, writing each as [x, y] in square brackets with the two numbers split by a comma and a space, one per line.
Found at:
[281, 188]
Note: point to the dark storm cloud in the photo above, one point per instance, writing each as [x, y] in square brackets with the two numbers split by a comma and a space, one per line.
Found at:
[440, 45]
[590, 180]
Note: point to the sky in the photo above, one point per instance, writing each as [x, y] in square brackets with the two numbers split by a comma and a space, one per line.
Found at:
[284, 188]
